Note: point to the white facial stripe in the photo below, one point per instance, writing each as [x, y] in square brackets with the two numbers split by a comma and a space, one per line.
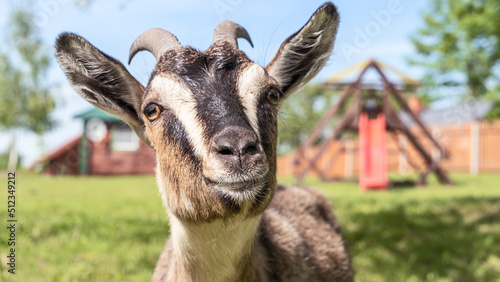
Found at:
[180, 100]
[162, 183]
[250, 84]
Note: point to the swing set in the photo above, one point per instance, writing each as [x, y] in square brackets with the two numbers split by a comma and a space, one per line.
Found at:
[369, 110]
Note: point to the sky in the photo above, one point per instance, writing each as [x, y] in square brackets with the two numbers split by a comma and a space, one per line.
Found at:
[368, 29]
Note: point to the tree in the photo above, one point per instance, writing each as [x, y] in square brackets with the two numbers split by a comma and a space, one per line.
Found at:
[300, 113]
[460, 46]
[25, 101]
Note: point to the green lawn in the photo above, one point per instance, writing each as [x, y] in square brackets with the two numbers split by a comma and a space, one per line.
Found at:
[114, 228]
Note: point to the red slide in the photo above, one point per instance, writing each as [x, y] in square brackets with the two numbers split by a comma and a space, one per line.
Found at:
[372, 153]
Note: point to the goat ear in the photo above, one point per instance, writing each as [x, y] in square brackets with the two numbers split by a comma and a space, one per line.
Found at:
[304, 53]
[101, 80]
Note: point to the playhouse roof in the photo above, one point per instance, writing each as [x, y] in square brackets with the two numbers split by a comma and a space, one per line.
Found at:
[97, 113]
[462, 113]
[346, 75]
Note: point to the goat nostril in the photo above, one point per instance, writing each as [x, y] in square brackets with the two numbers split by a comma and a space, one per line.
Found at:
[250, 149]
[225, 152]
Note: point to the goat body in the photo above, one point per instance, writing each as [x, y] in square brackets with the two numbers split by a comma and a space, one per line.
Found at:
[297, 239]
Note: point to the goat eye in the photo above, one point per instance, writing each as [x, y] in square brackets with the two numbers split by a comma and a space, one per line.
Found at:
[273, 95]
[152, 111]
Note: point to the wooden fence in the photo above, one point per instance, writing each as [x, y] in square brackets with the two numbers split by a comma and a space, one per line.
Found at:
[471, 147]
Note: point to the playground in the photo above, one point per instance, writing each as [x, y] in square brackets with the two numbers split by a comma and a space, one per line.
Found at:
[379, 134]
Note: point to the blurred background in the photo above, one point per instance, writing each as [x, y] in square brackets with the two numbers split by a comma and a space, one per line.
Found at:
[79, 202]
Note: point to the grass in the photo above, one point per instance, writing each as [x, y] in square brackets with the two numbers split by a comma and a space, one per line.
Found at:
[93, 229]
[114, 228]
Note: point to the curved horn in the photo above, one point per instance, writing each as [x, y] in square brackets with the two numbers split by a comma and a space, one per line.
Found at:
[156, 41]
[230, 31]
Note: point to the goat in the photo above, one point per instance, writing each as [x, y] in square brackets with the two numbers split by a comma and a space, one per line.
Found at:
[211, 117]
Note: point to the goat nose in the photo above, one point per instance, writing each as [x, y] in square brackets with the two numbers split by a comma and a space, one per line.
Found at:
[236, 145]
